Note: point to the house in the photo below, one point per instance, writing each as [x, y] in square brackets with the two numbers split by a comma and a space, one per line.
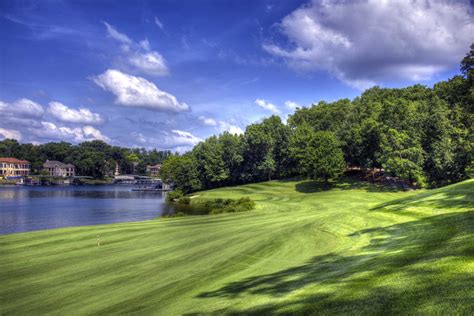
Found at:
[59, 169]
[153, 171]
[12, 167]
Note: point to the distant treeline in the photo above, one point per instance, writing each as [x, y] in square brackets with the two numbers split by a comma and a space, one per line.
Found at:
[420, 135]
[94, 158]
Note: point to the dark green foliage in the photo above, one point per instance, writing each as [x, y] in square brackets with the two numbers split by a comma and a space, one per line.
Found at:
[182, 172]
[219, 206]
[419, 135]
[174, 195]
[212, 168]
[184, 205]
[318, 154]
[95, 158]
[186, 200]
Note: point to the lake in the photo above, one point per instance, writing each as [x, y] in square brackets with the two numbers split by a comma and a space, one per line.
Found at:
[34, 208]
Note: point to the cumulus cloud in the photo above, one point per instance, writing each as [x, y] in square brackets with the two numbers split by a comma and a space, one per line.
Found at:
[208, 121]
[22, 107]
[178, 138]
[139, 55]
[365, 42]
[267, 106]
[10, 134]
[292, 105]
[91, 133]
[231, 128]
[66, 114]
[79, 134]
[137, 91]
[151, 63]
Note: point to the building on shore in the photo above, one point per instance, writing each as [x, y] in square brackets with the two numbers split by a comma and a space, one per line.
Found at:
[12, 167]
[153, 171]
[59, 169]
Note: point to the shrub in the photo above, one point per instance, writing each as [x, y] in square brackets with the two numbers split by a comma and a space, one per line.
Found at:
[178, 214]
[219, 206]
[174, 195]
[184, 200]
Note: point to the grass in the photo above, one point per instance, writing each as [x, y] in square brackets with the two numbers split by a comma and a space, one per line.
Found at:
[356, 249]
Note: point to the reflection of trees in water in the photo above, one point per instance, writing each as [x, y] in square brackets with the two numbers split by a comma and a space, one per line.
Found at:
[68, 192]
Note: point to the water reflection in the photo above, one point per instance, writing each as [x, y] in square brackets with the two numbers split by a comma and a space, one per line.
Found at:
[33, 208]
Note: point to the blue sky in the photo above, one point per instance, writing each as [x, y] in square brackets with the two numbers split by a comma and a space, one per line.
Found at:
[166, 74]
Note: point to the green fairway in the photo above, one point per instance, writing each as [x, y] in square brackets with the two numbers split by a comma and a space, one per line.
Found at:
[357, 248]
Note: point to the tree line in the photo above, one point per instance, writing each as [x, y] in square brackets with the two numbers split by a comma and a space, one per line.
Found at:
[423, 136]
[93, 158]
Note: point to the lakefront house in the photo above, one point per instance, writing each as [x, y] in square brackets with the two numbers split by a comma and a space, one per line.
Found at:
[153, 171]
[12, 167]
[59, 169]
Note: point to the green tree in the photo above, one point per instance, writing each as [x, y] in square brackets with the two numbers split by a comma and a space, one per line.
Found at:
[258, 154]
[232, 155]
[182, 171]
[402, 157]
[210, 162]
[318, 154]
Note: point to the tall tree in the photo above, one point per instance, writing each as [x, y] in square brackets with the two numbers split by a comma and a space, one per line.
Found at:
[403, 157]
[182, 171]
[319, 154]
[210, 162]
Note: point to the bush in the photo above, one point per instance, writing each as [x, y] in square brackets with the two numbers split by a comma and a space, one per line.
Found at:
[174, 195]
[178, 214]
[219, 206]
[184, 200]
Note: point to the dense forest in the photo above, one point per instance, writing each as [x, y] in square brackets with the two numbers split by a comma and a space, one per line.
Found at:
[94, 158]
[419, 135]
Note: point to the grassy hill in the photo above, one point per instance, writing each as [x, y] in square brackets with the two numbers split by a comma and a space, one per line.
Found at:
[355, 249]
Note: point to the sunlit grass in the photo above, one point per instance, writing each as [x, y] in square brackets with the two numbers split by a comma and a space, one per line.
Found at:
[357, 248]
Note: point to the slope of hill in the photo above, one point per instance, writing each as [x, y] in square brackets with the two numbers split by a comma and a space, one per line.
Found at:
[357, 248]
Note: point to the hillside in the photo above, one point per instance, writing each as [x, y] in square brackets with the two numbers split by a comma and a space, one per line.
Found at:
[357, 248]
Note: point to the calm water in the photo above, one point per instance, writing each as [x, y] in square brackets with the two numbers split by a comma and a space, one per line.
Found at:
[34, 208]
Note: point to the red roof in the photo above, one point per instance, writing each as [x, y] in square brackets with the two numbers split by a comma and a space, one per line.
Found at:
[12, 160]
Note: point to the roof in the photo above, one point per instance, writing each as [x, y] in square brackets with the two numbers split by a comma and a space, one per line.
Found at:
[12, 160]
[154, 166]
[52, 163]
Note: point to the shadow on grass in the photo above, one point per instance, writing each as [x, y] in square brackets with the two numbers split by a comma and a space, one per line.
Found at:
[346, 183]
[457, 196]
[357, 283]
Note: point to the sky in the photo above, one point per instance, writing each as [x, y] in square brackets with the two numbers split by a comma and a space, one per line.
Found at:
[167, 74]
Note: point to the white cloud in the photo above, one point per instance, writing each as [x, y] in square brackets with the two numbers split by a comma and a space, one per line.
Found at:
[267, 106]
[152, 63]
[66, 114]
[139, 55]
[228, 127]
[181, 138]
[292, 105]
[365, 42]
[208, 121]
[117, 35]
[22, 107]
[159, 23]
[10, 133]
[137, 91]
[93, 133]
[79, 134]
